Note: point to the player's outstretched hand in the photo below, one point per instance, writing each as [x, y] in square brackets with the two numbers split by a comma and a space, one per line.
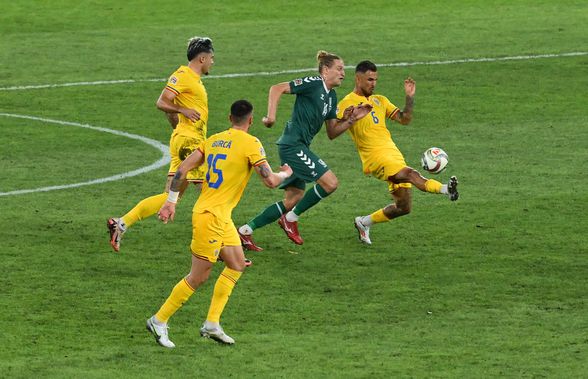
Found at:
[409, 86]
[361, 111]
[268, 122]
[167, 212]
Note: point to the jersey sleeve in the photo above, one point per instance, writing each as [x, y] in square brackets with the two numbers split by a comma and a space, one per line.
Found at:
[304, 85]
[256, 153]
[391, 109]
[177, 83]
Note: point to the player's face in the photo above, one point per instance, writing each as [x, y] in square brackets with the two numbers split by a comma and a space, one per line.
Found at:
[366, 82]
[208, 61]
[335, 73]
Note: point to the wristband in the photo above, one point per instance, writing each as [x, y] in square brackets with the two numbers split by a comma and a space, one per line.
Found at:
[172, 196]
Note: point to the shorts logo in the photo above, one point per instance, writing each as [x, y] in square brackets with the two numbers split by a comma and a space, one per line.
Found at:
[173, 80]
[305, 159]
[212, 241]
[216, 253]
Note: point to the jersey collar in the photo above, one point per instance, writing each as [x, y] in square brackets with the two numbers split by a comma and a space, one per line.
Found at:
[325, 86]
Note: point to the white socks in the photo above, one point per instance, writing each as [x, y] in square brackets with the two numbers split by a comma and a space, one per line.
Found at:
[246, 230]
[291, 216]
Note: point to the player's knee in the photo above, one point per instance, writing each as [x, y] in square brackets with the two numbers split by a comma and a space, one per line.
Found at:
[403, 208]
[330, 185]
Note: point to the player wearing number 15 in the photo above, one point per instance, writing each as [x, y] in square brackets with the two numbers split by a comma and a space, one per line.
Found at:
[231, 156]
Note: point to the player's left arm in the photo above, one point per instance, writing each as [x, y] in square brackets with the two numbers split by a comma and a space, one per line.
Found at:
[168, 210]
[338, 126]
[405, 116]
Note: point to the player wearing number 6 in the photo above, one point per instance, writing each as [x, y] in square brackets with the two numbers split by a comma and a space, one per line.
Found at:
[231, 157]
[379, 155]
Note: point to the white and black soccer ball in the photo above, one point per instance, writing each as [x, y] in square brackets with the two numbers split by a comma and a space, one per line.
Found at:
[434, 160]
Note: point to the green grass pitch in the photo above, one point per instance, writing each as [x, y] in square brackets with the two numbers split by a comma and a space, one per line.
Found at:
[494, 285]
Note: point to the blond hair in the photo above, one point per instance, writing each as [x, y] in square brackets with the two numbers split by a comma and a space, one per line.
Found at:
[325, 59]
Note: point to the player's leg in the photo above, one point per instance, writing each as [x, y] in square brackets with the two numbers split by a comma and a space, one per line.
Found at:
[308, 167]
[293, 192]
[402, 196]
[234, 259]
[205, 228]
[410, 175]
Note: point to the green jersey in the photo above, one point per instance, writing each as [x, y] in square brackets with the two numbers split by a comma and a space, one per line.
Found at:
[314, 104]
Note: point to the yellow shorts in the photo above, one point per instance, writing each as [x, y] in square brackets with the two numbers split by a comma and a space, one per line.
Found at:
[179, 148]
[210, 235]
[383, 166]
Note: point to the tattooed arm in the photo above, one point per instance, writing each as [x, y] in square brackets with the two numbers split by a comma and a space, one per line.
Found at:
[272, 179]
[168, 210]
[405, 116]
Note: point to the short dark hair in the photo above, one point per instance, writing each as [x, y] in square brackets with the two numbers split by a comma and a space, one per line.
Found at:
[197, 45]
[240, 111]
[365, 66]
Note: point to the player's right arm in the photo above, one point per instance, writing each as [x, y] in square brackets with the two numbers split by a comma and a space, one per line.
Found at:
[165, 102]
[272, 179]
[276, 91]
[168, 210]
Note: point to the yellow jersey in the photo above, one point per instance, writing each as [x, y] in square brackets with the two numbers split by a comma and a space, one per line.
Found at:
[231, 156]
[370, 135]
[190, 93]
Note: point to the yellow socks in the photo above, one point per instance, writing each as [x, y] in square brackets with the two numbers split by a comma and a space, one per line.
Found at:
[222, 290]
[179, 295]
[145, 208]
[379, 216]
[433, 186]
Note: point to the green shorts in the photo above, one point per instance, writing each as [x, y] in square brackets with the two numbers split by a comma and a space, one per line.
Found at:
[306, 165]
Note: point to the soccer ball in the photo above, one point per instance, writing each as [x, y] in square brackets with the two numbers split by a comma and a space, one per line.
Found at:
[434, 160]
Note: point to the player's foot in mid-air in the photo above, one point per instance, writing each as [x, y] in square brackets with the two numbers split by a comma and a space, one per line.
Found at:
[452, 188]
[248, 243]
[291, 229]
[364, 231]
[159, 331]
[216, 333]
[116, 230]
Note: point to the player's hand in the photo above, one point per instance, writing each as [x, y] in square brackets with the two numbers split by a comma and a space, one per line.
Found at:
[286, 169]
[190, 114]
[347, 112]
[268, 122]
[167, 212]
[409, 86]
[361, 111]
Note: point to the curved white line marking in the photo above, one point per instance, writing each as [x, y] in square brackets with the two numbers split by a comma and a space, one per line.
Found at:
[272, 73]
[158, 145]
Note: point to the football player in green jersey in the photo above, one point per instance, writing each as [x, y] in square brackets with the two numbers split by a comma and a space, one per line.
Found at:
[315, 105]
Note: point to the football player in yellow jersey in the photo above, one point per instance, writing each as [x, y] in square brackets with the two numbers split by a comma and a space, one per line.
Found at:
[231, 157]
[185, 102]
[379, 155]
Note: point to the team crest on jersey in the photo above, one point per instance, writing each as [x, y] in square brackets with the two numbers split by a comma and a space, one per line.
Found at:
[297, 82]
[173, 80]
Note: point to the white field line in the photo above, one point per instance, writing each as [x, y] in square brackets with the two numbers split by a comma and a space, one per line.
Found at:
[164, 160]
[273, 73]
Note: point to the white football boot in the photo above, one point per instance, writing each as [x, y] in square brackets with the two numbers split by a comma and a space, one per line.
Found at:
[364, 231]
[216, 333]
[159, 331]
[116, 228]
